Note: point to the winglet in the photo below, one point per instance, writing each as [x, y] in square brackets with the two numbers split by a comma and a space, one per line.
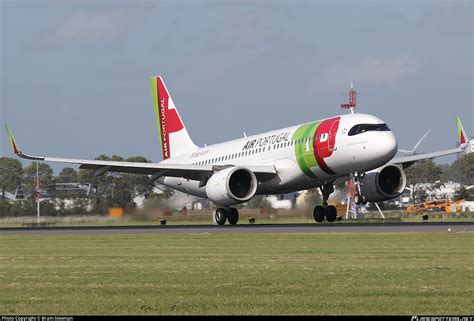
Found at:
[463, 139]
[16, 150]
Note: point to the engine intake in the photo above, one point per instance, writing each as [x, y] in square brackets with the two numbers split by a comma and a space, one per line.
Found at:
[230, 186]
[383, 183]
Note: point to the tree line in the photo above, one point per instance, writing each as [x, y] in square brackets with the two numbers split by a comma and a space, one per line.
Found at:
[108, 190]
[426, 171]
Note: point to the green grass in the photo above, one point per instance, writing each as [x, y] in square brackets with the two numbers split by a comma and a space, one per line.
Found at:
[334, 273]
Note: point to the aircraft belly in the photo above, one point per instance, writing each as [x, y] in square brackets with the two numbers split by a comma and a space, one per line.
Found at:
[289, 178]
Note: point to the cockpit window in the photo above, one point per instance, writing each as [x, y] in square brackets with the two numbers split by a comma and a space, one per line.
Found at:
[362, 128]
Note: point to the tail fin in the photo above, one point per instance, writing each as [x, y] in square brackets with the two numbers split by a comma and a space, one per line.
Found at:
[174, 137]
[463, 139]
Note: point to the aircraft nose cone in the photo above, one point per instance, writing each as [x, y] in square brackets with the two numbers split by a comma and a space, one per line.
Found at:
[388, 146]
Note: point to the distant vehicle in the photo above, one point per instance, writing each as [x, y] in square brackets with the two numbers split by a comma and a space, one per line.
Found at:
[442, 205]
[286, 160]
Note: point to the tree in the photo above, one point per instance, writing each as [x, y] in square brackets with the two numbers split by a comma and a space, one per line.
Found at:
[464, 194]
[46, 176]
[425, 171]
[462, 170]
[116, 189]
[67, 175]
[141, 184]
[11, 173]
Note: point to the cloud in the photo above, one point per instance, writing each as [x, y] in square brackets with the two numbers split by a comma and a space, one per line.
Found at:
[86, 27]
[369, 72]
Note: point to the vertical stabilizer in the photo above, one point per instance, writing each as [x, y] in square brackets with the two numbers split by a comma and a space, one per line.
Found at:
[174, 137]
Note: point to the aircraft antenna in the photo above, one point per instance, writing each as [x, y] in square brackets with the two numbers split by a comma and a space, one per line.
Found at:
[352, 100]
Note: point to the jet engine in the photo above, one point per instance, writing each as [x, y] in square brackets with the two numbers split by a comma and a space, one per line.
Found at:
[231, 186]
[383, 183]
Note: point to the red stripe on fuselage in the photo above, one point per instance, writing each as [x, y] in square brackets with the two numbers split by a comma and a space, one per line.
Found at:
[324, 141]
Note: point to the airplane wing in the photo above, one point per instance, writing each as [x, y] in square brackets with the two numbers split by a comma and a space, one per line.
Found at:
[407, 161]
[156, 170]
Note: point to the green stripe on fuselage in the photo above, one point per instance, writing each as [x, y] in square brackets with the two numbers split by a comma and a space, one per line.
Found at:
[306, 159]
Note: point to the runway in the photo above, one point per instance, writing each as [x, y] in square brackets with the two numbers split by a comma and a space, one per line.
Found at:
[421, 227]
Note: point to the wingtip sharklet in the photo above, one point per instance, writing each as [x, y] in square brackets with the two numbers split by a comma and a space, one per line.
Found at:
[15, 148]
[463, 139]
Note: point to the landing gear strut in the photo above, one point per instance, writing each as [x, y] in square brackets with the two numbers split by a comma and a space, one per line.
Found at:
[359, 198]
[229, 214]
[326, 211]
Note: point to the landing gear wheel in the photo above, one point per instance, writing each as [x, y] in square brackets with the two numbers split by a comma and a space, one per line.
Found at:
[233, 216]
[319, 213]
[357, 199]
[220, 216]
[331, 213]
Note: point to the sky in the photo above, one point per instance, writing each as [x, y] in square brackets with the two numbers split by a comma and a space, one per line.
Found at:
[74, 74]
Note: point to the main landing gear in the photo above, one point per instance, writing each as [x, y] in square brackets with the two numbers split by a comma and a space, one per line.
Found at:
[326, 211]
[223, 214]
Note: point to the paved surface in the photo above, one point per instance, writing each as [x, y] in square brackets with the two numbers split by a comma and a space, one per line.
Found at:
[460, 227]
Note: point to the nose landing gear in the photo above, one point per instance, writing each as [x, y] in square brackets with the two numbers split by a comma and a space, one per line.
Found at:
[359, 198]
[326, 211]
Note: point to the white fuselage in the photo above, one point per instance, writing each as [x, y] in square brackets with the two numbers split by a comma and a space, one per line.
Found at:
[304, 156]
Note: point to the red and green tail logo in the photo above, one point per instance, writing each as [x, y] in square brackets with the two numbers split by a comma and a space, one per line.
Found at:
[166, 116]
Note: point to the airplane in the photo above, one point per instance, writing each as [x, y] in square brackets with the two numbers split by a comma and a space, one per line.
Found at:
[290, 159]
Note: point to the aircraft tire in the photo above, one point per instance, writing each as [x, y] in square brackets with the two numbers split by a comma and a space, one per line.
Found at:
[331, 213]
[220, 216]
[233, 217]
[318, 214]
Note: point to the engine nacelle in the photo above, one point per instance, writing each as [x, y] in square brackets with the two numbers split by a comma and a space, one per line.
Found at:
[230, 186]
[383, 183]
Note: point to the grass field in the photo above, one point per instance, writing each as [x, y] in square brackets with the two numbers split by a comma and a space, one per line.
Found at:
[410, 274]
